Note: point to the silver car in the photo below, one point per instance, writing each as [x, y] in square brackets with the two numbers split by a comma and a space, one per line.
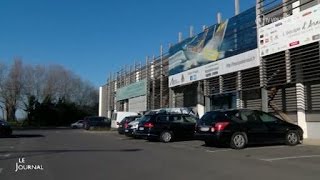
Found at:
[77, 125]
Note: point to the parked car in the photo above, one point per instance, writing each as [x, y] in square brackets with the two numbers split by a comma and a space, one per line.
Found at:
[239, 128]
[118, 116]
[166, 127]
[96, 121]
[5, 128]
[132, 127]
[77, 125]
[124, 123]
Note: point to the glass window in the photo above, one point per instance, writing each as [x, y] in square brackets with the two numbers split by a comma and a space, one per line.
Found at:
[211, 117]
[267, 118]
[189, 119]
[145, 118]
[176, 119]
[249, 116]
[163, 119]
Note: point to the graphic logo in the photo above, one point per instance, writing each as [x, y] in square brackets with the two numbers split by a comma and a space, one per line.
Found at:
[21, 165]
[294, 43]
[316, 37]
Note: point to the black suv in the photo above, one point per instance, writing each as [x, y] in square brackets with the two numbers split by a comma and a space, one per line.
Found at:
[5, 128]
[238, 128]
[166, 127]
[96, 121]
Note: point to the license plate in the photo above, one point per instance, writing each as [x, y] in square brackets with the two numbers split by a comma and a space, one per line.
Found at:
[120, 125]
[141, 128]
[204, 129]
[126, 130]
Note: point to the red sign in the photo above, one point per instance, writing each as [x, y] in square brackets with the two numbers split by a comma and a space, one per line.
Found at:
[294, 43]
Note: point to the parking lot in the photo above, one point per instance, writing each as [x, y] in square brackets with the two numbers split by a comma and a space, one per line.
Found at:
[79, 154]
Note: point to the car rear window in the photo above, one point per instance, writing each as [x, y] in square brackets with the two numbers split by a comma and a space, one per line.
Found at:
[145, 118]
[210, 117]
[216, 116]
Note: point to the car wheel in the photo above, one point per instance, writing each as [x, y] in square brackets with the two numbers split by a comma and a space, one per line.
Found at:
[86, 127]
[238, 140]
[292, 138]
[166, 136]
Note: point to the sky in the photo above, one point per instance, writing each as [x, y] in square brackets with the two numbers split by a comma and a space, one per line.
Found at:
[94, 38]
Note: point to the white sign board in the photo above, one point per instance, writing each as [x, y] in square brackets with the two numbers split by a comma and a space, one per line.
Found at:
[296, 30]
[138, 104]
[228, 65]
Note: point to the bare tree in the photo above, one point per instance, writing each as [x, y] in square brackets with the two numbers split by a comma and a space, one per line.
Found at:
[2, 77]
[11, 89]
[24, 86]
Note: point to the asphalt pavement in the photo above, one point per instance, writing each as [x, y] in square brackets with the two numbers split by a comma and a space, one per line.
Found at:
[81, 155]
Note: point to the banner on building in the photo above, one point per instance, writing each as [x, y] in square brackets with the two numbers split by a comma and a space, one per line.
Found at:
[232, 64]
[296, 30]
[234, 36]
[133, 90]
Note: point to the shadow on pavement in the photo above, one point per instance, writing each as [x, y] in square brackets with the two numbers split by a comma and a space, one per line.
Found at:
[31, 153]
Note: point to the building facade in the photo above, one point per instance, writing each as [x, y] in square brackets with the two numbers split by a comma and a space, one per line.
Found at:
[265, 58]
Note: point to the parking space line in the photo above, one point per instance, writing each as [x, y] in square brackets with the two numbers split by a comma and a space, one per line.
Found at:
[7, 147]
[264, 147]
[221, 150]
[1, 170]
[5, 155]
[289, 157]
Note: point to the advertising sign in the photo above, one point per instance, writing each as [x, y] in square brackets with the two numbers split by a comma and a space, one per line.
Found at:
[232, 64]
[234, 36]
[296, 30]
[133, 90]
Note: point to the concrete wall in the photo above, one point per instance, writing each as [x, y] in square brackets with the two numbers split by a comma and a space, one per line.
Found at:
[313, 117]
[103, 101]
[138, 104]
[313, 130]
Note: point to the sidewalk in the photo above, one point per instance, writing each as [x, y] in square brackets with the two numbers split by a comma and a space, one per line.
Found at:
[313, 142]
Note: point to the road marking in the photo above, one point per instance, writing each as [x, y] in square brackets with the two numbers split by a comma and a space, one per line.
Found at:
[289, 157]
[1, 170]
[271, 147]
[5, 155]
[221, 150]
[9, 147]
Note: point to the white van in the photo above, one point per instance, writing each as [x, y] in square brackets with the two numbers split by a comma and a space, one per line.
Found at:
[118, 116]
